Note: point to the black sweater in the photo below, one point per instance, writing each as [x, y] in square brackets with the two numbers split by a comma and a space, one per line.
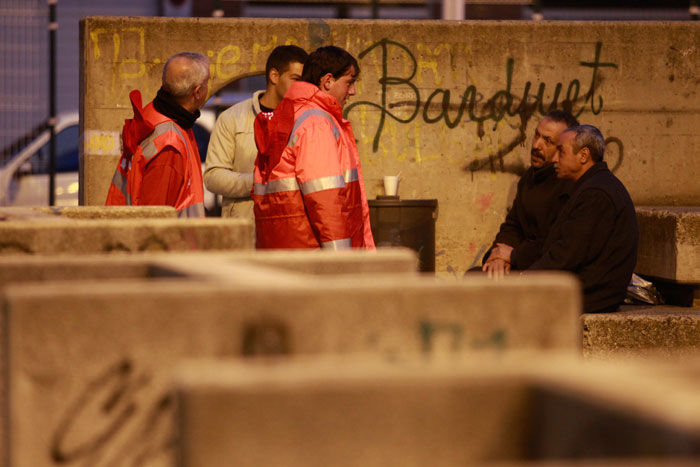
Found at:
[539, 199]
[595, 237]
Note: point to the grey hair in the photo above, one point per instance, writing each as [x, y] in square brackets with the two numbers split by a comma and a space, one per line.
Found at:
[181, 86]
[588, 136]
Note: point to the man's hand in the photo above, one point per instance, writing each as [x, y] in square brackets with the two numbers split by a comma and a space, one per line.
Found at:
[501, 251]
[496, 268]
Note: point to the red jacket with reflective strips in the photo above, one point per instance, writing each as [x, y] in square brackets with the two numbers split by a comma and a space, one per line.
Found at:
[160, 164]
[308, 189]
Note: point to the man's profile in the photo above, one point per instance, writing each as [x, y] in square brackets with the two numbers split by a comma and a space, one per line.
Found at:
[231, 154]
[308, 190]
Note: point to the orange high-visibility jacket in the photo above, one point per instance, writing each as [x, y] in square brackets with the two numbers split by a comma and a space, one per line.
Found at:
[144, 137]
[308, 189]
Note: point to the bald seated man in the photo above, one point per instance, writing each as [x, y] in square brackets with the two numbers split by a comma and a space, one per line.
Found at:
[160, 162]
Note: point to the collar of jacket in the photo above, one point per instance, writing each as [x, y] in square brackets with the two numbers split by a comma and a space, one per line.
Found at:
[256, 102]
[167, 105]
[544, 173]
[303, 92]
[597, 167]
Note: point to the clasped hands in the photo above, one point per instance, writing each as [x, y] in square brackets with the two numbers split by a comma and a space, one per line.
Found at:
[498, 264]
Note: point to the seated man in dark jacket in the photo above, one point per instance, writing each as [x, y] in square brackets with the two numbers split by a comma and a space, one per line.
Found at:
[539, 198]
[595, 235]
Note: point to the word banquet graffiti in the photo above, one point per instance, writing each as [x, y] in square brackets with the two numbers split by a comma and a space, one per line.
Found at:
[438, 104]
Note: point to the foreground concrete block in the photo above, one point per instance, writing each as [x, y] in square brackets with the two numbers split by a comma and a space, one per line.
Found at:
[88, 361]
[409, 412]
[661, 331]
[128, 235]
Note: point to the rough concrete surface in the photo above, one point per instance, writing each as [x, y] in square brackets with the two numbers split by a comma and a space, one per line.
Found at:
[421, 412]
[70, 236]
[73, 345]
[669, 243]
[110, 212]
[439, 102]
[658, 331]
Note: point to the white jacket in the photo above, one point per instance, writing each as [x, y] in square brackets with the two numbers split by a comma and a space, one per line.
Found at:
[231, 158]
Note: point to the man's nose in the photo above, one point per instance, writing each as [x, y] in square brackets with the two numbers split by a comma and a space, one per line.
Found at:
[351, 91]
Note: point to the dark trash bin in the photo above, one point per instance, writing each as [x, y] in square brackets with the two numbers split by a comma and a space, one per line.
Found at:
[409, 223]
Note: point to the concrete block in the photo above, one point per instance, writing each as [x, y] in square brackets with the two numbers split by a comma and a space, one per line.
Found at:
[212, 267]
[669, 243]
[321, 263]
[88, 361]
[429, 413]
[660, 331]
[59, 235]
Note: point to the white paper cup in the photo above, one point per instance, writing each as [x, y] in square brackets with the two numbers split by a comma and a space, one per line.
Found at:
[391, 185]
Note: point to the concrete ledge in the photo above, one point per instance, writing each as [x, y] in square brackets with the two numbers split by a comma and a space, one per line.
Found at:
[410, 412]
[86, 212]
[669, 243]
[207, 266]
[661, 331]
[111, 212]
[123, 236]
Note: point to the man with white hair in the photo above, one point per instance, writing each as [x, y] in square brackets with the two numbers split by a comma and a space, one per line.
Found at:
[160, 162]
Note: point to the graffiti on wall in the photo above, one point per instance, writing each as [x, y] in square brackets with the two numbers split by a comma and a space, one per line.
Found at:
[474, 106]
[111, 423]
[406, 97]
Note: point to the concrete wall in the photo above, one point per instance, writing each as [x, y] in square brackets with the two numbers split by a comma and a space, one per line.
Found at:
[442, 102]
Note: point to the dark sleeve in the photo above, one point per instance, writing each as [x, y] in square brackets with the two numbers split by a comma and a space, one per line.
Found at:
[163, 179]
[526, 253]
[510, 232]
[581, 235]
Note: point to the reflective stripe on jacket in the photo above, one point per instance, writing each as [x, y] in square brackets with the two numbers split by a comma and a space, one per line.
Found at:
[144, 137]
[308, 189]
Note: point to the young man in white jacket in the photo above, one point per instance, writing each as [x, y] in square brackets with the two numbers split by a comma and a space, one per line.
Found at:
[232, 151]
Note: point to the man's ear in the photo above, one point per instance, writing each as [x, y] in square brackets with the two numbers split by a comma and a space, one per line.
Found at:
[274, 76]
[196, 91]
[584, 155]
[326, 82]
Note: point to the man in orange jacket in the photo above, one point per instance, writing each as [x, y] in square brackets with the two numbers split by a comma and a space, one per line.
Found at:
[308, 188]
[160, 163]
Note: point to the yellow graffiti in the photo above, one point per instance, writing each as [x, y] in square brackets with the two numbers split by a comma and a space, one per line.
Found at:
[95, 38]
[291, 41]
[257, 48]
[221, 60]
[416, 143]
[137, 74]
[124, 65]
[430, 64]
[100, 144]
